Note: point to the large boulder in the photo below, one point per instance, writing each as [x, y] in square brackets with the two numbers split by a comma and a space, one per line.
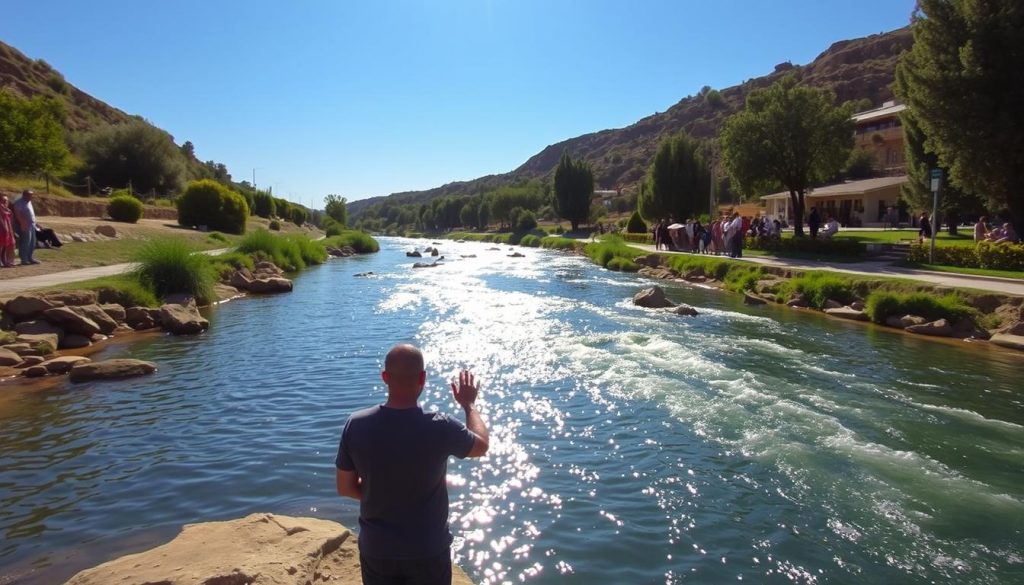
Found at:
[183, 319]
[1008, 340]
[414, 254]
[240, 278]
[106, 230]
[659, 273]
[110, 370]
[270, 285]
[38, 327]
[848, 313]
[75, 341]
[9, 358]
[904, 321]
[966, 328]
[106, 323]
[40, 341]
[264, 269]
[652, 298]
[35, 371]
[72, 297]
[939, 328]
[114, 311]
[752, 299]
[686, 310]
[139, 318]
[70, 321]
[64, 363]
[260, 549]
[1015, 328]
[27, 306]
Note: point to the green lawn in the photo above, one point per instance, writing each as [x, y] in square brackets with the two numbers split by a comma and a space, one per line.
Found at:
[963, 238]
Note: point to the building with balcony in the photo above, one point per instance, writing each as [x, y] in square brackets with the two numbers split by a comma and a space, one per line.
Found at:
[881, 131]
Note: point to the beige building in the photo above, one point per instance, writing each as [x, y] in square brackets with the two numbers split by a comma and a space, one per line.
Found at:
[853, 203]
[881, 131]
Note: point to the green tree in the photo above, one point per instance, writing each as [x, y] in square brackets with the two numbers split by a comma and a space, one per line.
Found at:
[677, 182]
[135, 153]
[573, 186]
[917, 190]
[483, 217]
[337, 208]
[962, 80]
[31, 135]
[636, 224]
[790, 136]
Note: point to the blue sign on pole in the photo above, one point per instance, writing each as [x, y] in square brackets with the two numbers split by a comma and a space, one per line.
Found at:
[936, 176]
[936, 173]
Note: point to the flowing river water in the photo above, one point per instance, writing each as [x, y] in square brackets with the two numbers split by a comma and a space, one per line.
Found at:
[628, 445]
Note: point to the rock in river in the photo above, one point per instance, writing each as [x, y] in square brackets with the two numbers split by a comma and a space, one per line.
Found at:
[652, 298]
[183, 319]
[111, 370]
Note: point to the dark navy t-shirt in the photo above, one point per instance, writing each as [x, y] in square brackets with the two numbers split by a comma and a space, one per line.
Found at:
[402, 457]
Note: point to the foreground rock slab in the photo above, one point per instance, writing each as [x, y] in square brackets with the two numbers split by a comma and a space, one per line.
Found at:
[260, 549]
[183, 319]
[110, 370]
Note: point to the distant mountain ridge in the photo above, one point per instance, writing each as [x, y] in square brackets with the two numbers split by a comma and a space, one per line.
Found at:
[857, 69]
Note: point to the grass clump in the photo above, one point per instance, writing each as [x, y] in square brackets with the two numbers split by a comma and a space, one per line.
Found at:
[881, 305]
[557, 243]
[288, 252]
[171, 266]
[621, 264]
[818, 287]
[530, 241]
[225, 264]
[742, 278]
[610, 247]
[361, 242]
[217, 237]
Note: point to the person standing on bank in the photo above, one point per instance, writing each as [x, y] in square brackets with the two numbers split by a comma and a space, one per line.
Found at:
[814, 222]
[393, 458]
[25, 217]
[925, 231]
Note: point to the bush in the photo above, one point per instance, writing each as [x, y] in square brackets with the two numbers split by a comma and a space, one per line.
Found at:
[361, 242]
[636, 224]
[171, 266]
[125, 208]
[818, 287]
[275, 225]
[621, 264]
[530, 241]
[881, 305]
[556, 243]
[298, 215]
[135, 153]
[263, 205]
[525, 222]
[209, 203]
[986, 255]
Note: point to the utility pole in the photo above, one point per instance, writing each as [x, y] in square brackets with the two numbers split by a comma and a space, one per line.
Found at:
[936, 176]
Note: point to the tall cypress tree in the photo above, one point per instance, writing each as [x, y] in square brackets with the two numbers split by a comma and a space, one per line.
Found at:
[677, 181]
[574, 186]
[962, 80]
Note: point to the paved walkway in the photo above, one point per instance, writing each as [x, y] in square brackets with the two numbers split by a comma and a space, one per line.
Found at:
[16, 285]
[1010, 286]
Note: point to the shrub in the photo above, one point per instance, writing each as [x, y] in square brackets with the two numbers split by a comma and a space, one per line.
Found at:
[818, 287]
[171, 266]
[275, 225]
[263, 205]
[636, 224]
[125, 208]
[298, 215]
[525, 222]
[881, 305]
[530, 241]
[361, 242]
[556, 243]
[622, 264]
[987, 255]
[209, 203]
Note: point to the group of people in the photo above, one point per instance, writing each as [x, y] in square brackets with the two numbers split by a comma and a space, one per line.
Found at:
[722, 236]
[814, 225]
[18, 229]
[1004, 234]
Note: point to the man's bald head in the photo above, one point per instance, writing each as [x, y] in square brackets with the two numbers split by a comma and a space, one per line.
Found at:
[403, 370]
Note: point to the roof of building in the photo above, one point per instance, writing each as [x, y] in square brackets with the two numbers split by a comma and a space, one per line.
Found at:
[847, 188]
[887, 109]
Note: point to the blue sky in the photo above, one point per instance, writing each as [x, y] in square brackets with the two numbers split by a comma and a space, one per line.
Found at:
[370, 98]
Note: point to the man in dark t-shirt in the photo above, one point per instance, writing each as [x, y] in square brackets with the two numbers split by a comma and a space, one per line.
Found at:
[393, 458]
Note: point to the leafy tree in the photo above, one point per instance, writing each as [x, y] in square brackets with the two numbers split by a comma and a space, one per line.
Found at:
[918, 191]
[263, 204]
[469, 214]
[31, 135]
[861, 164]
[962, 81]
[135, 153]
[336, 207]
[483, 217]
[573, 186]
[677, 182]
[790, 136]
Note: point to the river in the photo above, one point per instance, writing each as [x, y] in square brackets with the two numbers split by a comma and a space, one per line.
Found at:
[628, 445]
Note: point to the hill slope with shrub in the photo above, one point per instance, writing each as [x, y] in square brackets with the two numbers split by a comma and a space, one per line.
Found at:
[858, 69]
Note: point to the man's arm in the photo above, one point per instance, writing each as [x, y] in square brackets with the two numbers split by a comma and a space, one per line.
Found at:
[465, 394]
[349, 484]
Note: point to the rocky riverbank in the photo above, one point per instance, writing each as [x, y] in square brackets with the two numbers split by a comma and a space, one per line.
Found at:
[260, 549]
[1007, 312]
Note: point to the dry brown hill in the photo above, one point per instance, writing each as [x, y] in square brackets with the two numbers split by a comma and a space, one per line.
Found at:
[859, 69]
[26, 77]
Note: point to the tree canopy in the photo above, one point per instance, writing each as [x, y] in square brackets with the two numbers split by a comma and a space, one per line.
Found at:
[573, 186]
[336, 207]
[962, 80]
[789, 136]
[135, 153]
[31, 135]
[677, 182]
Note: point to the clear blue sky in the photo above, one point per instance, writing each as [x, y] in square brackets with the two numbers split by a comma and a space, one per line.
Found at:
[369, 98]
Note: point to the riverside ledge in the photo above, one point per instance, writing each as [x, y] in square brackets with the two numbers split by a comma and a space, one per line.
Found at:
[259, 549]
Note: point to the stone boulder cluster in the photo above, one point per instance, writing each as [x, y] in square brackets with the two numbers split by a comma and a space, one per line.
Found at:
[265, 278]
[259, 549]
[654, 298]
[36, 325]
[342, 252]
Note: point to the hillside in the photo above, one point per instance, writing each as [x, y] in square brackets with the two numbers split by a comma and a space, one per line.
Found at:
[26, 77]
[859, 69]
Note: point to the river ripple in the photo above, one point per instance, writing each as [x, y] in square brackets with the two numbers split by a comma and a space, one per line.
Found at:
[628, 445]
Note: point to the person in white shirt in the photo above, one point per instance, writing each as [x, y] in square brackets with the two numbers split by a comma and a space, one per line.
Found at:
[25, 218]
[831, 228]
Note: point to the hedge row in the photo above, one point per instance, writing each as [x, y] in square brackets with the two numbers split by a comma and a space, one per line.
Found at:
[985, 255]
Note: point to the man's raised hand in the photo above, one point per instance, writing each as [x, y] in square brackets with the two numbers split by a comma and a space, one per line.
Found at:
[466, 390]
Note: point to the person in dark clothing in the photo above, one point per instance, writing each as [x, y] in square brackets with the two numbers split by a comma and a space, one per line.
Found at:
[393, 458]
[925, 231]
[814, 222]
